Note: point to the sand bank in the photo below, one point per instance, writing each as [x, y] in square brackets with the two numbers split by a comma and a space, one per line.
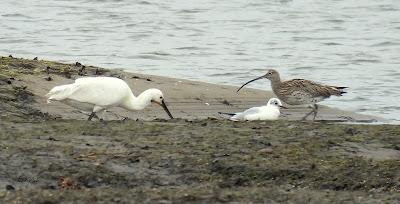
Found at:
[186, 99]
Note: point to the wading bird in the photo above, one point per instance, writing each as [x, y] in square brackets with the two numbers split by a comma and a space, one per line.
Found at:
[299, 91]
[268, 112]
[101, 93]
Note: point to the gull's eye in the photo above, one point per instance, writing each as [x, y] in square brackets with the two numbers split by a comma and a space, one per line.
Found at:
[160, 97]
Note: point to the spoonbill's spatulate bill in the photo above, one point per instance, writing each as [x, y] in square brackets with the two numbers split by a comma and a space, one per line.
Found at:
[106, 92]
[268, 112]
[299, 91]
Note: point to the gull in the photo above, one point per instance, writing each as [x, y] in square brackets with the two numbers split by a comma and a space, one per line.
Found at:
[299, 91]
[268, 112]
[101, 93]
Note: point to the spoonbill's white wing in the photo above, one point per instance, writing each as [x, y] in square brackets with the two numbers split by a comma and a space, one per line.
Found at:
[102, 91]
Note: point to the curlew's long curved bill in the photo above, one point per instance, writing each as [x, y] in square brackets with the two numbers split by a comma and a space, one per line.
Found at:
[166, 109]
[250, 82]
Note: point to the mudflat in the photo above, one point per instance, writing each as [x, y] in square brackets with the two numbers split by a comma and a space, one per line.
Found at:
[49, 153]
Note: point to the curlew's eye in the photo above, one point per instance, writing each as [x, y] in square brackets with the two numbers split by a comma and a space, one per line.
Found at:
[269, 73]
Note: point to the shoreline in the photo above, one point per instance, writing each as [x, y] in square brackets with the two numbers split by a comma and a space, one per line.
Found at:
[186, 99]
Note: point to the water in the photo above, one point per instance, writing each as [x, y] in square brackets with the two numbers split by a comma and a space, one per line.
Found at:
[338, 42]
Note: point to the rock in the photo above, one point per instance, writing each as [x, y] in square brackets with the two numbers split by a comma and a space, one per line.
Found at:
[10, 188]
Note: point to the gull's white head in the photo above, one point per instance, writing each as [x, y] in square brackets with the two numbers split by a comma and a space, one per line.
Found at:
[274, 102]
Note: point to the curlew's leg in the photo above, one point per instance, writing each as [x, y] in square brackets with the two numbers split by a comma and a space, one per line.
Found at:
[307, 114]
[93, 114]
[315, 111]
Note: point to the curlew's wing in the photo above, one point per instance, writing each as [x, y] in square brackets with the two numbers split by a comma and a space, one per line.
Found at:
[310, 88]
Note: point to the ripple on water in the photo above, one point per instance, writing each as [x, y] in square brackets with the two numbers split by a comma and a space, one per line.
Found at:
[363, 61]
[191, 11]
[160, 53]
[190, 48]
[16, 16]
[148, 57]
[385, 44]
[305, 68]
[332, 43]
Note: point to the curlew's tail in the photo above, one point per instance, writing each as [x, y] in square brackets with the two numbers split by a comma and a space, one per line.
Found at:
[61, 92]
[340, 90]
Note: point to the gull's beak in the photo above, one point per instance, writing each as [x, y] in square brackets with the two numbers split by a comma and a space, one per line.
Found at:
[284, 107]
[261, 77]
[162, 104]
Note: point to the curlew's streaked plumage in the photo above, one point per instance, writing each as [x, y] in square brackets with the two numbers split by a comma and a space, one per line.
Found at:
[299, 91]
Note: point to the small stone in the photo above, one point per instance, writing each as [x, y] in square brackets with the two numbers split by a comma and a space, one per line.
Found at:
[48, 78]
[225, 102]
[52, 139]
[266, 150]
[36, 58]
[10, 188]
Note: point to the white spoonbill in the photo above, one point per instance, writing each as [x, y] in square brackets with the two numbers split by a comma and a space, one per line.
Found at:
[106, 92]
[268, 112]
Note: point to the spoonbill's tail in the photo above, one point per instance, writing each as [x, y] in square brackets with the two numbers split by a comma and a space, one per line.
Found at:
[61, 92]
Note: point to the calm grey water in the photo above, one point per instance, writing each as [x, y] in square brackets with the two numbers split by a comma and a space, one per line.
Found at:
[338, 42]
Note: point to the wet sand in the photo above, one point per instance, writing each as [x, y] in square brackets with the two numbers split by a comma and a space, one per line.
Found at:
[186, 99]
[50, 154]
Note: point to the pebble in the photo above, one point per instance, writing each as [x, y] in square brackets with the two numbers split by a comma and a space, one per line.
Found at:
[10, 188]
[266, 150]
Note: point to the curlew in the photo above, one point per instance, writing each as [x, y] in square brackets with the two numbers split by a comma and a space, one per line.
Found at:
[299, 91]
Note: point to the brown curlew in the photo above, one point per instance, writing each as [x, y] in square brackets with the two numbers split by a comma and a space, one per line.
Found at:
[299, 91]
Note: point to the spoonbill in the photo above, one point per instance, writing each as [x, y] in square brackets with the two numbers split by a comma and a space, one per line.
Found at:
[102, 93]
[268, 112]
[300, 91]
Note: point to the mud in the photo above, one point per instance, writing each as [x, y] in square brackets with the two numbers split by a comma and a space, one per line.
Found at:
[47, 158]
[212, 161]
